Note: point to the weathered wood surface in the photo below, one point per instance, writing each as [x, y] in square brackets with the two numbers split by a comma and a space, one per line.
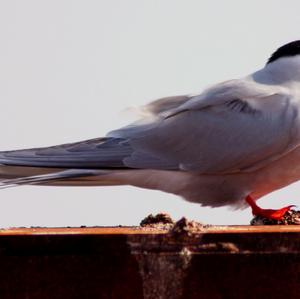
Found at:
[129, 262]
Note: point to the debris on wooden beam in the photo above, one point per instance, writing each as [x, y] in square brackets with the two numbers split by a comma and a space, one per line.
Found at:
[291, 217]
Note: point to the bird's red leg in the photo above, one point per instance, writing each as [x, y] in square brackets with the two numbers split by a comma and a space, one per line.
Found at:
[267, 213]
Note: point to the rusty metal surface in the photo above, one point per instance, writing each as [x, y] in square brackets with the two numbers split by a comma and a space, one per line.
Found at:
[122, 262]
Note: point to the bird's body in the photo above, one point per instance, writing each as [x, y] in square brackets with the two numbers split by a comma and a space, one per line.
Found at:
[236, 139]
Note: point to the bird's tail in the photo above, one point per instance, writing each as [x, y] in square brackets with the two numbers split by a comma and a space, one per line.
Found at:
[12, 176]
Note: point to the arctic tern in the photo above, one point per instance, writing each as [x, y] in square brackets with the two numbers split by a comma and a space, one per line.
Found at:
[229, 145]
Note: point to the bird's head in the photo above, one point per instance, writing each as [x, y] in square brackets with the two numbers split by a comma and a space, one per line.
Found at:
[290, 50]
[283, 67]
[286, 60]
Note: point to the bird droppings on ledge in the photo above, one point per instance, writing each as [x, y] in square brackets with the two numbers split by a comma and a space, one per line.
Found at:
[187, 227]
[291, 217]
[164, 222]
[161, 221]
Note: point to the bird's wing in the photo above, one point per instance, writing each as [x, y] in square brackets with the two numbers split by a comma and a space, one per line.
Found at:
[107, 152]
[235, 126]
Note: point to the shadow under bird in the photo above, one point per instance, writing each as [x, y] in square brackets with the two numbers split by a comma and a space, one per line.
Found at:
[229, 145]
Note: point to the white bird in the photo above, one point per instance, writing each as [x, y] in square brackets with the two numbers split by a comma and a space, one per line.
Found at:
[231, 144]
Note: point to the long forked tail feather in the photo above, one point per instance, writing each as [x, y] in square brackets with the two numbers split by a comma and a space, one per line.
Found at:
[48, 178]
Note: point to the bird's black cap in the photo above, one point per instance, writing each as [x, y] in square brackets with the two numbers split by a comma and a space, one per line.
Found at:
[290, 49]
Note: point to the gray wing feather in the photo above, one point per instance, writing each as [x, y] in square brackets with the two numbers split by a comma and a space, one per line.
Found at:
[165, 104]
[94, 153]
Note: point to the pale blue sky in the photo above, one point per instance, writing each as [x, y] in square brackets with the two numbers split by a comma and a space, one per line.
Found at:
[68, 68]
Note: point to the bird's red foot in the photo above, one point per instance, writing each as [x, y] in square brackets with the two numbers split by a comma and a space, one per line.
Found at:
[267, 213]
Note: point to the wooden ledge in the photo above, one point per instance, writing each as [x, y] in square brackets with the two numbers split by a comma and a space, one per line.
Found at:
[136, 230]
[145, 263]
